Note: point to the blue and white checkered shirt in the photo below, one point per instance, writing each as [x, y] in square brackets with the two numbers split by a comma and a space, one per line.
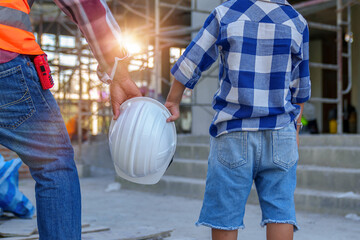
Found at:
[264, 64]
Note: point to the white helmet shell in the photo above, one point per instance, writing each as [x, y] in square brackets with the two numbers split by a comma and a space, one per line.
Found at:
[142, 143]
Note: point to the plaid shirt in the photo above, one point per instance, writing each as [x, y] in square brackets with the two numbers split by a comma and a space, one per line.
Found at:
[264, 64]
[94, 19]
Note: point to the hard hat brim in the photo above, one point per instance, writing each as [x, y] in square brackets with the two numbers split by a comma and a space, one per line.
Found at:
[146, 180]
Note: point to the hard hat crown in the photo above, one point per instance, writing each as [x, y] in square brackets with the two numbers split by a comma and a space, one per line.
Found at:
[142, 143]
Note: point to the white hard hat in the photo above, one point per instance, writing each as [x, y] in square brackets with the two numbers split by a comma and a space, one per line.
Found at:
[142, 143]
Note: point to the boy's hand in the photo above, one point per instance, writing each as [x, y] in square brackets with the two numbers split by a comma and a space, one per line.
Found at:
[174, 110]
[173, 100]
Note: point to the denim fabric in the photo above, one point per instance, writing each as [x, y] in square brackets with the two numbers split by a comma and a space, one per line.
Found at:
[31, 125]
[237, 159]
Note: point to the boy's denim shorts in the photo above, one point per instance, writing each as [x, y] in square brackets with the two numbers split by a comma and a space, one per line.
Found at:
[236, 160]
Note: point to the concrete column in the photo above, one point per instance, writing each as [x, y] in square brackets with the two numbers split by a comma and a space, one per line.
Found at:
[316, 79]
[355, 92]
[165, 71]
[207, 86]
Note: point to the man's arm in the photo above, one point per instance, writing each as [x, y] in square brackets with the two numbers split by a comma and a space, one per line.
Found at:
[94, 19]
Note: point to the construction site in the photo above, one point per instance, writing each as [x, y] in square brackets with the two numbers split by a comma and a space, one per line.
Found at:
[156, 33]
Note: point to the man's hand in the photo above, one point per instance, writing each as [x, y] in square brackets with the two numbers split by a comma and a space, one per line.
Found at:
[122, 88]
[174, 110]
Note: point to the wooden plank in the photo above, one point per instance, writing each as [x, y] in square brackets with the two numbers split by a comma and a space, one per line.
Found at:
[154, 236]
[33, 237]
[120, 234]
[94, 229]
[96, 233]
[18, 227]
[86, 229]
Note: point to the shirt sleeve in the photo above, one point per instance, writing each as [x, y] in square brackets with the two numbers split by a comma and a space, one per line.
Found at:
[300, 85]
[103, 34]
[201, 53]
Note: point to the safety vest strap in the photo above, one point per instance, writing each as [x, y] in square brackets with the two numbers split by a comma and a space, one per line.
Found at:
[15, 28]
[15, 18]
[30, 2]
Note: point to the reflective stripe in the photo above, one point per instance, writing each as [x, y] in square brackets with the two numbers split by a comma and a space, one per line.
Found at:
[15, 18]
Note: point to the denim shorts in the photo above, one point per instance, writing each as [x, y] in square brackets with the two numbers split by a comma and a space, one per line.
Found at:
[237, 160]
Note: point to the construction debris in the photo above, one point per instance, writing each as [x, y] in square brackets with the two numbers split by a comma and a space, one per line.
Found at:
[9, 230]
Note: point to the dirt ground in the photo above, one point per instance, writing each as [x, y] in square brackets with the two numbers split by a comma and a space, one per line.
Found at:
[129, 213]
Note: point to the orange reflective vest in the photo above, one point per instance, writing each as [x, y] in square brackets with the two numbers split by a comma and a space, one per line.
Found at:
[15, 28]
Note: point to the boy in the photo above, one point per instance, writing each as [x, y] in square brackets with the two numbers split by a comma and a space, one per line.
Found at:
[264, 82]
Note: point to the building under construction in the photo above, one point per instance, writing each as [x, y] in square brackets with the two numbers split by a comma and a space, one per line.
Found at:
[157, 31]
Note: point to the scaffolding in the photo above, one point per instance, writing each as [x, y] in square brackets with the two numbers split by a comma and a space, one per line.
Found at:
[340, 27]
[160, 25]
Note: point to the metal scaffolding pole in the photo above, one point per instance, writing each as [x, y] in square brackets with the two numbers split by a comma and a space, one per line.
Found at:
[338, 28]
[157, 27]
[349, 39]
[79, 122]
[339, 43]
[157, 51]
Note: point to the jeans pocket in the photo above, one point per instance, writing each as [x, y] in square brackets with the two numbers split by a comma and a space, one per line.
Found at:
[232, 149]
[15, 101]
[285, 149]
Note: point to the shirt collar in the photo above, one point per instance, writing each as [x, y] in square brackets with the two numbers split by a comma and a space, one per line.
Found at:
[283, 2]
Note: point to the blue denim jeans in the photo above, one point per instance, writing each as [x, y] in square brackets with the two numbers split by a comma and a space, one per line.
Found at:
[239, 159]
[31, 125]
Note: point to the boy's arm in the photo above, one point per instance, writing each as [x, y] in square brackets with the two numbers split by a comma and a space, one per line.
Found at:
[201, 53]
[198, 57]
[173, 100]
[300, 87]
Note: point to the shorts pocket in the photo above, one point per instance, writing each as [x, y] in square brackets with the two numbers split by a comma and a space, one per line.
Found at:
[232, 149]
[285, 149]
[15, 101]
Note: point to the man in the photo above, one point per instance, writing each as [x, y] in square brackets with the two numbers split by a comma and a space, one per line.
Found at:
[30, 121]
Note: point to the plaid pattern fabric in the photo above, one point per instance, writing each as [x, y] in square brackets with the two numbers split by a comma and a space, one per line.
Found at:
[94, 19]
[103, 34]
[264, 64]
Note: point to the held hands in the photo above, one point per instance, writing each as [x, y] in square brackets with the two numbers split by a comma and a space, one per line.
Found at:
[122, 88]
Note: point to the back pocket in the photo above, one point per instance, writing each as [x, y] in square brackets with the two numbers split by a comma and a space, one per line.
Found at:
[15, 101]
[285, 149]
[232, 149]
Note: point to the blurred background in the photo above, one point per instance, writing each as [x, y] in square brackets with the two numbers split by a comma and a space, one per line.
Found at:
[156, 33]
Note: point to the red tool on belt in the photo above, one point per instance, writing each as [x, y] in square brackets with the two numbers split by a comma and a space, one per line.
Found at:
[43, 70]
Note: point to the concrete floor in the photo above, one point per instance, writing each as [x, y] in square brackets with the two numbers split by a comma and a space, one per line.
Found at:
[130, 212]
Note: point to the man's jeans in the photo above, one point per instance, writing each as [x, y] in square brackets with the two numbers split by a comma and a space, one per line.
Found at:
[31, 125]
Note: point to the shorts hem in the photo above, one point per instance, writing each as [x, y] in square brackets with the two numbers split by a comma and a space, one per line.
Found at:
[296, 227]
[219, 227]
